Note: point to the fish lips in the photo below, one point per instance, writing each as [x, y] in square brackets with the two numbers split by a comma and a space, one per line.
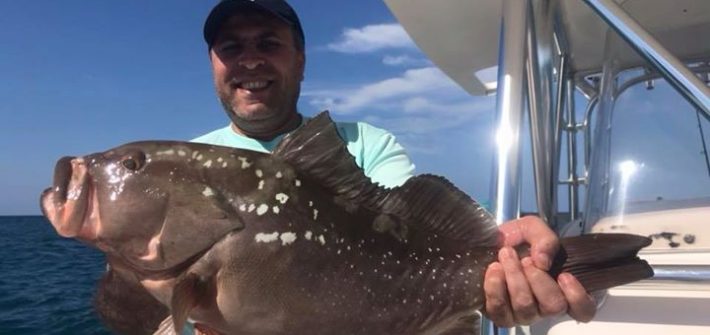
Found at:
[66, 203]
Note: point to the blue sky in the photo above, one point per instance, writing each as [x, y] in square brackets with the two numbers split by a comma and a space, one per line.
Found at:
[83, 76]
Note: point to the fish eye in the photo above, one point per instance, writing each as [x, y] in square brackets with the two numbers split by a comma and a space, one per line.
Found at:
[133, 161]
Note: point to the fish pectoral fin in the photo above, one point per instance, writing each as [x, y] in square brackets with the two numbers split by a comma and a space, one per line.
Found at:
[190, 291]
[166, 327]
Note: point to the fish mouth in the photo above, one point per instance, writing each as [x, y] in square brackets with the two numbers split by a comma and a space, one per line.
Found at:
[66, 203]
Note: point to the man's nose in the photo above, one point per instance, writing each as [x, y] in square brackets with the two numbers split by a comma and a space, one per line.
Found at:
[250, 63]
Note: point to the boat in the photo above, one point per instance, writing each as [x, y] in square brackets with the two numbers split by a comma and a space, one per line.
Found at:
[611, 100]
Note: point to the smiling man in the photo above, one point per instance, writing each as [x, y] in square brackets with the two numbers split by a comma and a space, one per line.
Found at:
[257, 53]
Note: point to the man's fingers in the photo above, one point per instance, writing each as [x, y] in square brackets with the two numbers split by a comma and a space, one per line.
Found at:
[551, 300]
[521, 297]
[532, 230]
[582, 306]
[497, 304]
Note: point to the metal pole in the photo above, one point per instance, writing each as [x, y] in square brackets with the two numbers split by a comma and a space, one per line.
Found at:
[505, 194]
[536, 107]
[511, 72]
[572, 152]
[670, 67]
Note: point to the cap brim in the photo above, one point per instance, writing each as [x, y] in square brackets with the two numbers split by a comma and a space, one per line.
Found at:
[224, 10]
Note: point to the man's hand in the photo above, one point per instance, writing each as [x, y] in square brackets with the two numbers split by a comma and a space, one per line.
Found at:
[519, 291]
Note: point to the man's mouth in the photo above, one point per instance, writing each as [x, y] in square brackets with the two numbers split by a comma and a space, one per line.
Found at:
[253, 85]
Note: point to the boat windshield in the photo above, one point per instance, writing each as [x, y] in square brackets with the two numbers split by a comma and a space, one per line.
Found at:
[657, 177]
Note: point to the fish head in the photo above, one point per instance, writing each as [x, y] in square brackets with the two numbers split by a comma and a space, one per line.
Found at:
[149, 203]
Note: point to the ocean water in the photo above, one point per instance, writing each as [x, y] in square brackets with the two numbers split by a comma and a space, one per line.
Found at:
[46, 281]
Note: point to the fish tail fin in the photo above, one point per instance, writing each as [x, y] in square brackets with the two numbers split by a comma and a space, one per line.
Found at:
[602, 261]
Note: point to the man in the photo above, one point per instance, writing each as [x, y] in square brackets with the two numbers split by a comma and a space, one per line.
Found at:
[256, 49]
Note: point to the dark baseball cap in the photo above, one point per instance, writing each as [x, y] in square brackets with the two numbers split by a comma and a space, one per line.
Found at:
[226, 8]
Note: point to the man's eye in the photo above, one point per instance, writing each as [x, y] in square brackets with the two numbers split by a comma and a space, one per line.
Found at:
[269, 45]
[228, 46]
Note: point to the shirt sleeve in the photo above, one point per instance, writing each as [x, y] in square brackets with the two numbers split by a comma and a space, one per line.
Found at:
[378, 153]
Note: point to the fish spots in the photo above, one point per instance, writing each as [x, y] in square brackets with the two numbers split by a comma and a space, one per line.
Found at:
[220, 159]
[288, 238]
[279, 175]
[251, 208]
[168, 152]
[276, 209]
[297, 183]
[315, 214]
[262, 209]
[321, 239]
[282, 198]
[266, 238]
[182, 153]
[259, 173]
[208, 192]
[261, 184]
[208, 164]
[245, 162]
[308, 235]
[243, 207]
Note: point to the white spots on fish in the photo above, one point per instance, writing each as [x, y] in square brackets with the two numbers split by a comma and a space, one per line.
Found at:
[315, 214]
[199, 157]
[279, 175]
[266, 238]
[245, 162]
[458, 256]
[444, 285]
[287, 238]
[243, 207]
[220, 159]
[207, 192]
[297, 183]
[259, 173]
[262, 209]
[224, 165]
[251, 208]
[308, 235]
[276, 209]
[168, 152]
[261, 184]
[282, 198]
[321, 239]
[208, 164]
[310, 203]
[182, 153]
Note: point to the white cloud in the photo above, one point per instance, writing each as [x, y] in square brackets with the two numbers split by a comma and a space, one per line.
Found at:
[404, 60]
[372, 38]
[415, 82]
[419, 102]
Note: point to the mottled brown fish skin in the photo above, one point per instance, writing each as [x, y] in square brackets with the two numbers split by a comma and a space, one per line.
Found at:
[298, 242]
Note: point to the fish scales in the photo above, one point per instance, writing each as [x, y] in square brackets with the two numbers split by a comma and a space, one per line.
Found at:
[296, 242]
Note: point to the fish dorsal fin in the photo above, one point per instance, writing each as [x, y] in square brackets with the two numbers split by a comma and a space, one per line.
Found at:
[424, 202]
[189, 292]
[316, 150]
[433, 204]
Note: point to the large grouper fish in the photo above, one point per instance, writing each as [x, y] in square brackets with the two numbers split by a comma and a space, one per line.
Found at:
[298, 241]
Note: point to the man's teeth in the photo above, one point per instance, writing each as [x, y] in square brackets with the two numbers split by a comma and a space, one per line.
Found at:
[252, 85]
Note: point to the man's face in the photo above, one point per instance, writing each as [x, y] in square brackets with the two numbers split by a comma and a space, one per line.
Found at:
[257, 71]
